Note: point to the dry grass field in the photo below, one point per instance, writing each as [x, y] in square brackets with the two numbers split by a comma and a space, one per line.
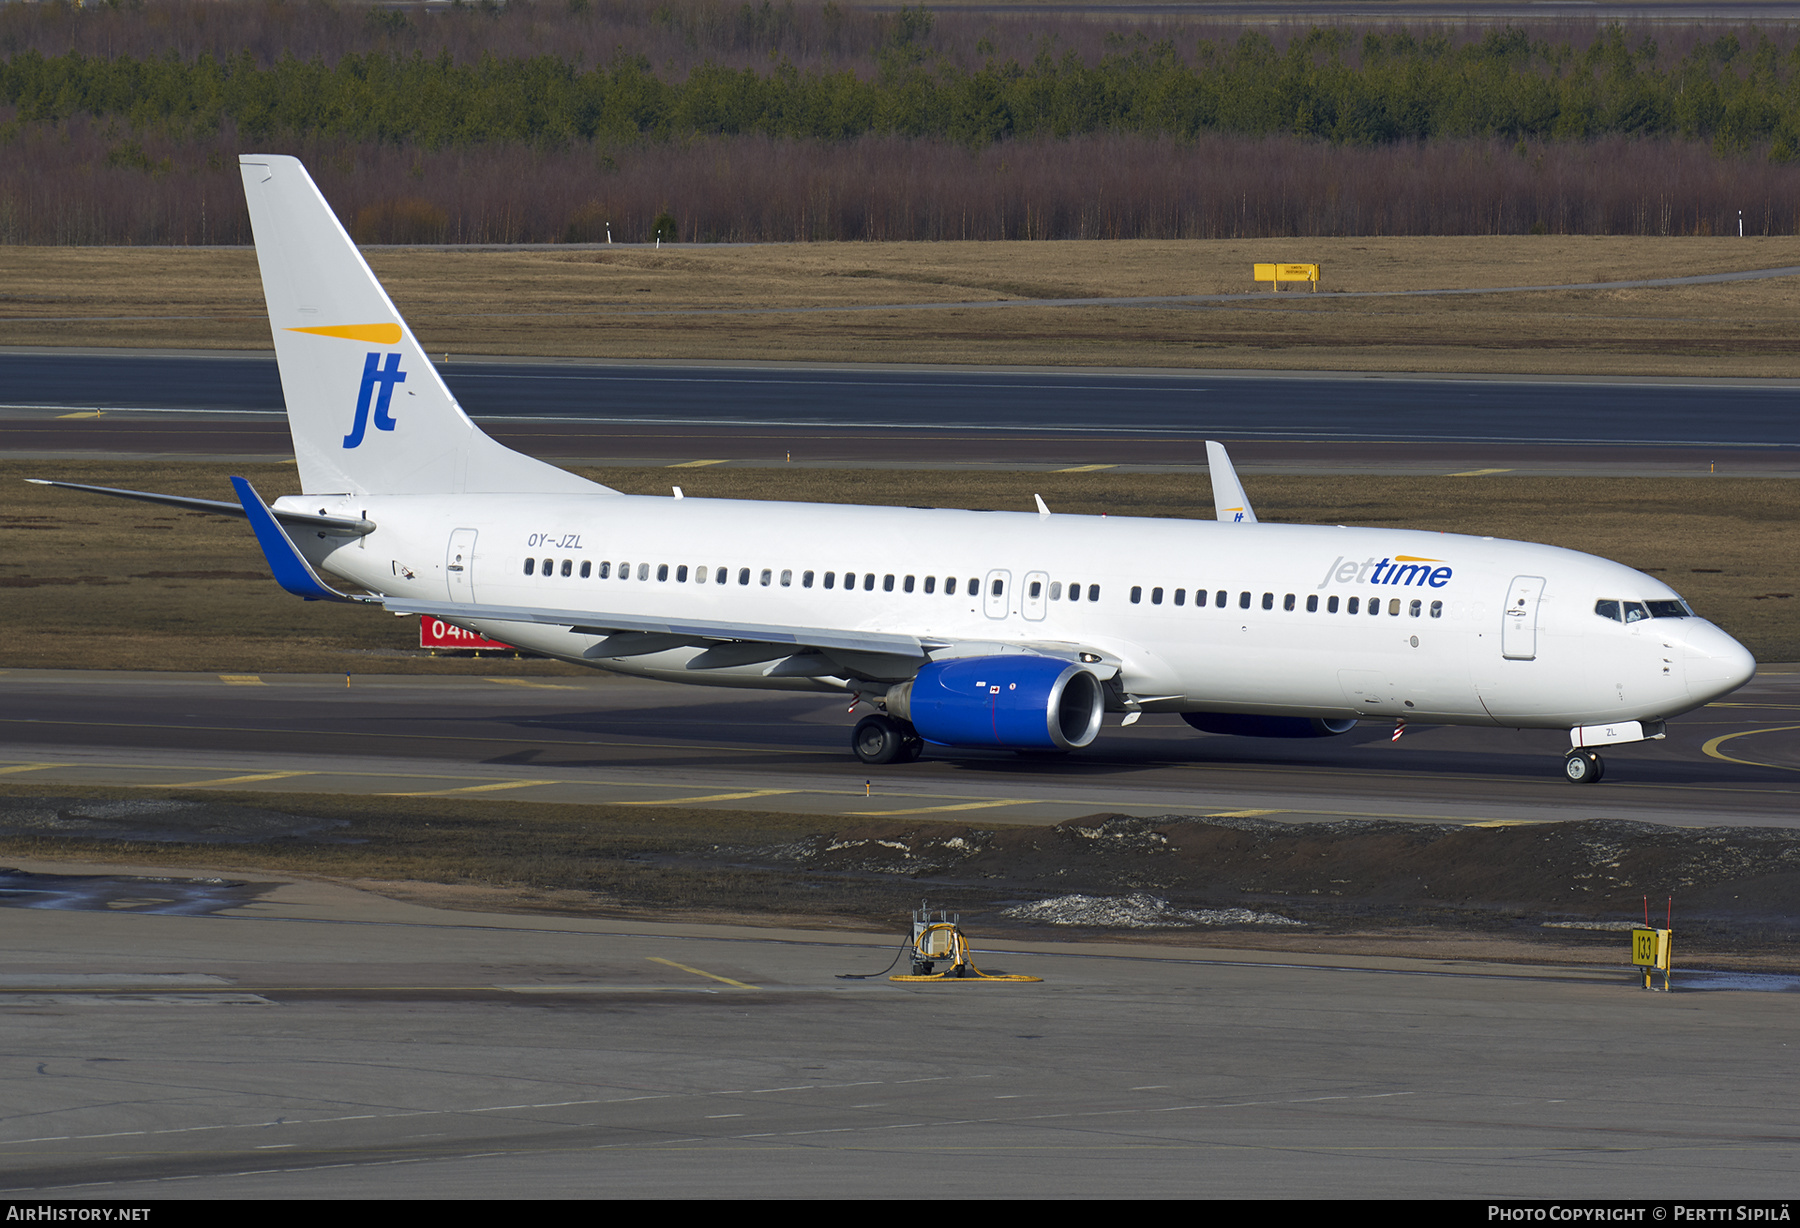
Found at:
[821, 303]
[89, 582]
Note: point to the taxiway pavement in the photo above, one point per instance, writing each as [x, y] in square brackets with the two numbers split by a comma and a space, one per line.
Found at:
[616, 739]
[315, 1042]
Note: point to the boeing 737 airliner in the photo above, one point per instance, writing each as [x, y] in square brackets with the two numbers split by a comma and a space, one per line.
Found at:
[959, 629]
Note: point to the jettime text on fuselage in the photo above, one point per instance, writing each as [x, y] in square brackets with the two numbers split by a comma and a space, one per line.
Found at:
[1402, 569]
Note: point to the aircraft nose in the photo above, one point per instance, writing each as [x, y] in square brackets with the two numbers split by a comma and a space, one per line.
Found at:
[1716, 664]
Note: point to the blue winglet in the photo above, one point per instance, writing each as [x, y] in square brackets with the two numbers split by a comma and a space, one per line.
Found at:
[291, 569]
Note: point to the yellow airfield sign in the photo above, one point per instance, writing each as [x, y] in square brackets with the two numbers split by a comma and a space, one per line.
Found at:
[1278, 273]
[1653, 951]
[1650, 948]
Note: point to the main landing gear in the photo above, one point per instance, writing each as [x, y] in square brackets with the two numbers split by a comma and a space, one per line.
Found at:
[882, 739]
[1583, 767]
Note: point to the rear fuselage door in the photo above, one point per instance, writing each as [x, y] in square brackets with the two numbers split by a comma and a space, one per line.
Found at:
[1518, 622]
[995, 595]
[459, 565]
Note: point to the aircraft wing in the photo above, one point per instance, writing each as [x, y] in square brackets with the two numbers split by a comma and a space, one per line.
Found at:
[793, 651]
[677, 631]
[1230, 503]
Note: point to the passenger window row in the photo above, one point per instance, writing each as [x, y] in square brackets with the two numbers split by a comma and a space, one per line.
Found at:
[867, 582]
[850, 581]
[1221, 598]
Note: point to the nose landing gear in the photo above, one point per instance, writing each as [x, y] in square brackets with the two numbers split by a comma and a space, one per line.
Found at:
[1583, 767]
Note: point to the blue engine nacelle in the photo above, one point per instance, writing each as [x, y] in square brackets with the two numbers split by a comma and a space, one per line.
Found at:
[1016, 702]
[1245, 725]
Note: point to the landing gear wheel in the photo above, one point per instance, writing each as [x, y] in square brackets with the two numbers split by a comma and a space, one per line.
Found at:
[910, 749]
[878, 739]
[1583, 767]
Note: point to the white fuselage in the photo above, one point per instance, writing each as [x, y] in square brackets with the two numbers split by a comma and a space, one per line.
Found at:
[1441, 647]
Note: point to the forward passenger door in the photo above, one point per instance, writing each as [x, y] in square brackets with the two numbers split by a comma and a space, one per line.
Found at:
[1518, 621]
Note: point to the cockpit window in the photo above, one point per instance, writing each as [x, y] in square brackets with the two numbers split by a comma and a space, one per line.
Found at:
[1637, 611]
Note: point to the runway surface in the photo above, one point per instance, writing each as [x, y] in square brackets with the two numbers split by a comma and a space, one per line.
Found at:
[316, 1042]
[118, 404]
[615, 739]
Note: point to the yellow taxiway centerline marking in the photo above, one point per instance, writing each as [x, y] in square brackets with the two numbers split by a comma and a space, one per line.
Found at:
[603, 783]
[242, 680]
[1712, 747]
[223, 780]
[84, 413]
[700, 464]
[1083, 468]
[1398, 816]
[1476, 473]
[489, 788]
[657, 959]
[609, 783]
[714, 797]
[542, 686]
[1463, 819]
[881, 814]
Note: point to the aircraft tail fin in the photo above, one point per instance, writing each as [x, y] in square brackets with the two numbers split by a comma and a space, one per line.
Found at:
[1229, 501]
[368, 411]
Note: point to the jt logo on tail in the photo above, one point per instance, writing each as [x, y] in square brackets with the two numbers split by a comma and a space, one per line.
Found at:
[387, 377]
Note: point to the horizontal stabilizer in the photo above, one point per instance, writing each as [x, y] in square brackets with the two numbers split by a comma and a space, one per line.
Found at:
[353, 526]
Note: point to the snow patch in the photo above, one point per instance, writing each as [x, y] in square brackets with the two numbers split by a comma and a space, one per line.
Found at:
[1591, 925]
[1139, 911]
